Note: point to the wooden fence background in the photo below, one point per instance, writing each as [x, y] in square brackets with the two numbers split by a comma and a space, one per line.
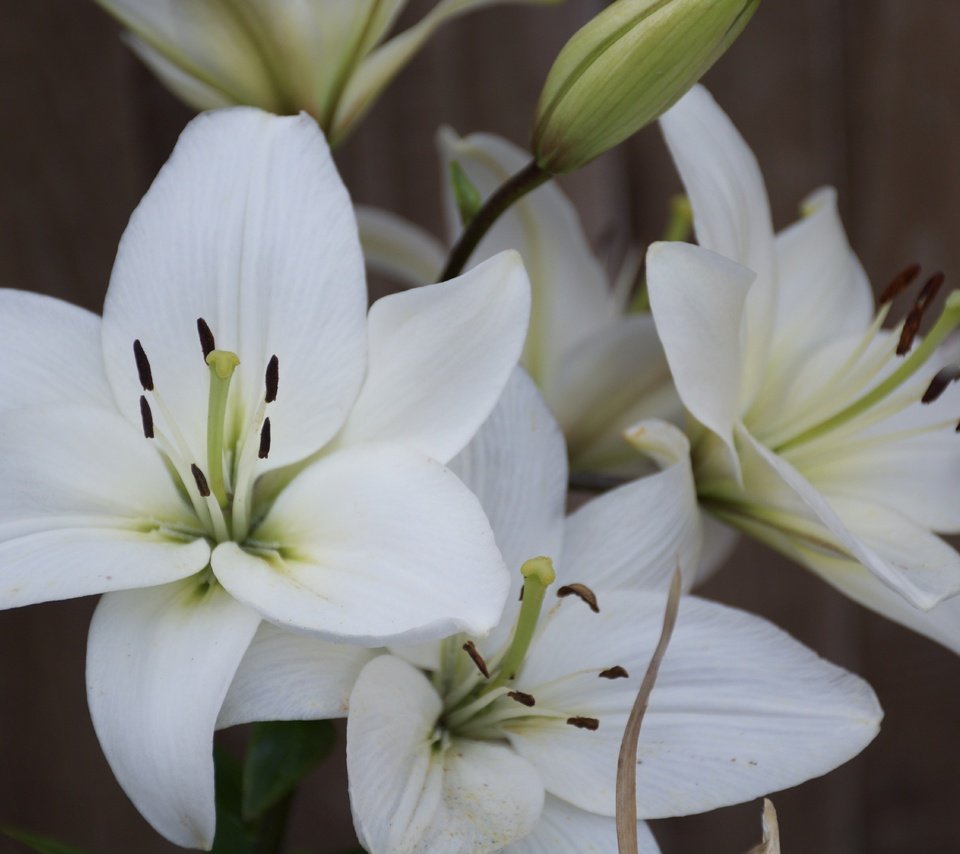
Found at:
[862, 94]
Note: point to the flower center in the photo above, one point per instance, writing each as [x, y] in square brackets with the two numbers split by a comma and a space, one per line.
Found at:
[221, 487]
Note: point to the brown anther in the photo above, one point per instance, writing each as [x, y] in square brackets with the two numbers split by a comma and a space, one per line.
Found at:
[522, 698]
[583, 592]
[143, 366]
[264, 451]
[470, 649]
[617, 672]
[911, 326]
[272, 379]
[579, 722]
[202, 486]
[520, 597]
[940, 383]
[207, 342]
[146, 418]
[899, 283]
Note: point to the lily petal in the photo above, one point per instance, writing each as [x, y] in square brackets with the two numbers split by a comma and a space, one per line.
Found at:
[380, 545]
[731, 213]
[159, 663]
[740, 709]
[607, 383]
[698, 301]
[572, 298]
[410, 793]
[439, 359]
[87, 506]
[286, 677]
[564, 829]
[249, 227]
[924, 575]
[635, 536]
[398, 248]
[376, 71]
[719, 542]
[49, 353]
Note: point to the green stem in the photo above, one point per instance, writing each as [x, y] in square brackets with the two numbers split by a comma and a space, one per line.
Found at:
[270, 829]
[514, 189]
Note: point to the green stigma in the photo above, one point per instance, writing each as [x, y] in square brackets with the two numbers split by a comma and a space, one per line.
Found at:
[222, 364]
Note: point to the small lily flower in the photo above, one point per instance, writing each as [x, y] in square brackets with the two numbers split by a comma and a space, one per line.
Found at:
[237, 441]
[330, 58]
[600, 367]
[817, 431]
[510, 742]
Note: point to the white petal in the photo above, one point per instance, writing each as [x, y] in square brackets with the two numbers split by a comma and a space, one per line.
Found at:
[410, 794]
[379, 544]
[731, 214]
[719, 543]
[249, 227]
[740, 708]
[285, 677]
[564, 829]
[159, 663]
[49, 353]
[636, 536]
[607, 383]
[517, 466]
[824, 291]
[440, 357]
[572, 298]
[924, 575]
[698, 301]
[377, 70]
[398, 248]
[87, 506]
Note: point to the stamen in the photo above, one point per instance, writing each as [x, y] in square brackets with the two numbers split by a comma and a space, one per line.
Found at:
[911, 326]
[522, 698]
[146, 418]
[940, 383]
[272, 379]
[580, 722]
[617, 672]
[470, 649]
[202, 486]
[899, 283]
[582, 592]
[207, 342]
[264, 451]
[143, 366]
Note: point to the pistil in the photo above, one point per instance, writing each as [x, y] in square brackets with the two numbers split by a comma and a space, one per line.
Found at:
[222, 365]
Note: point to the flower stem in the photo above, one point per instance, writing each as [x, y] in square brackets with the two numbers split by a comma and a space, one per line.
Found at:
[510, 192]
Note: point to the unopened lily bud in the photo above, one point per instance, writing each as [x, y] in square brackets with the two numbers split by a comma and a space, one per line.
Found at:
[624, 69]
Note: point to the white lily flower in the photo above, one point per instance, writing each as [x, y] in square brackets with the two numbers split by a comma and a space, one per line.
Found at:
[600, 367]
[330, 58]
[442, 759]
[298, 478]
[817, 431]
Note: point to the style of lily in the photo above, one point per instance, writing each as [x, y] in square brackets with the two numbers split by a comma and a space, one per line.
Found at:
[510, 742]
[282, 458]
[330, 58]
[816, 430]
[600, 366]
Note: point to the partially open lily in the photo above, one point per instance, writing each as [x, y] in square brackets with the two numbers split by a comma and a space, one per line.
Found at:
[816, 430]
[237, 440]
[600, 367]
[510, 742]
[330, 58]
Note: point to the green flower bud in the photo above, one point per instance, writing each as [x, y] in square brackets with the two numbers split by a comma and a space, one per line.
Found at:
[624, 69]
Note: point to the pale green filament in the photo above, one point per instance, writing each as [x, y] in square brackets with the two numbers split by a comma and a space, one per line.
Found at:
[947, 323]
[222, 365]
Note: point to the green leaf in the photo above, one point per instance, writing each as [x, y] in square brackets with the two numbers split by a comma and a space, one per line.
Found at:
[38, 843]
[233, 836]
[468, 198]
[279, 755]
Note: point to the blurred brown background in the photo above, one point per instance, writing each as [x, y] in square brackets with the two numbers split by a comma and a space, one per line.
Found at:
[862, 94]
